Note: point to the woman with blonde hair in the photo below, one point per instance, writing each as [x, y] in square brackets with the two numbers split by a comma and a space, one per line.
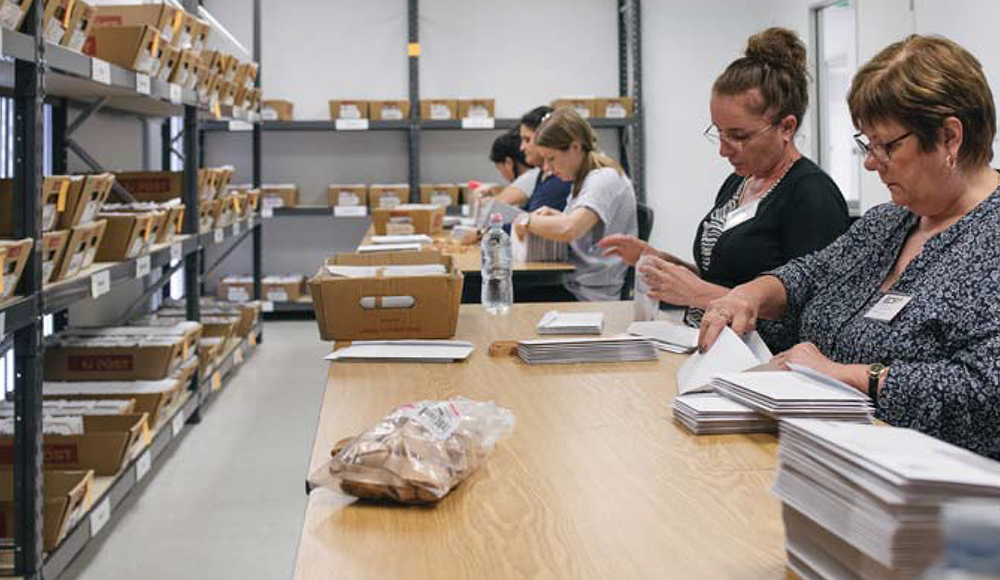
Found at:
[601, 203]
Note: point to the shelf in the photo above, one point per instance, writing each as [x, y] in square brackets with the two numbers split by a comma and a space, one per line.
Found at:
[226, 364]
[453, 125]
[17, 312]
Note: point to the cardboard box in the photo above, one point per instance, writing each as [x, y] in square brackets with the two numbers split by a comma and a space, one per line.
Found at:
[476, 108]
[85, 198]
[408, 219]
[209, 351]
[583, 106]
[283, 288]
[281, 195]
[338, 301]
[106, 444]
[81, 22]
[235, 289]
[12, 13]
[163, 17]
[150, 397]
[169, 58]
[614, 108]
[253, 199]
[246, 75]
[55, 20]
[255, 99]
[159, 186]
[53, 200]
[81, 249]
[173, 225]
[208, 215]
[227, 93]
[185, 73]
[132, 47]
[387, 196]
[348, 110]
[128, 235]
[16, 257]
[225, 211]
[347, 195]
[389, 110]
[443, 194]
[438, 109]
[187, 31]
[201, 31]
[53, 246]
[277, 110]
[66, 497]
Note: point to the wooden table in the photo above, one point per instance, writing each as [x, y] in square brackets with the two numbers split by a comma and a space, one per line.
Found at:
[596, 482]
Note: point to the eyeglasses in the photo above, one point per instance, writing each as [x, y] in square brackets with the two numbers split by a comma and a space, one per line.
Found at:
[880, 152]
[715, 136]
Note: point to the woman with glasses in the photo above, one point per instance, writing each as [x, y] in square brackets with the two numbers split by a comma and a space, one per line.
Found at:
[777, 204]
[905, 306]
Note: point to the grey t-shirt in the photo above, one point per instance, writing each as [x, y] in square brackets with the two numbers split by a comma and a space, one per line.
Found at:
[610, 196]
[526, 181]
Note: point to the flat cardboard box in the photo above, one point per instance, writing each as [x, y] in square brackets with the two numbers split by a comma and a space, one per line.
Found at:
[235, 289]
[583, 106]
[347, 195]
[149, 358]
[157, 186]
[128, 235]
[614, 108]
[132, 47]
[277, 110]
[434, 314]
[105, 445]
[55, 20]
[163, 17]
[66, 497]
[81, 249]
[283, 288]
[408, 219]
[476, 108]
[443, 194]
[53, 246]
[53, 200]
[389, 110]
[438, 109]
[85, 198]
[281, 195]
[169, 58]
[150, 397]
[388, 196]
[16, 257]
[348, 110]
[12, 13]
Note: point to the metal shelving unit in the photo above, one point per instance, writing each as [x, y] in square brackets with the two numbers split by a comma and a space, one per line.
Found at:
[40, 73]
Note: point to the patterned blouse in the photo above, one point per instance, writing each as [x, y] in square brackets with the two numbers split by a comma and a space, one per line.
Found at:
[943, 348]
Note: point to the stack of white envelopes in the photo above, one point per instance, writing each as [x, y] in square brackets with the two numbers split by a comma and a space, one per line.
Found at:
[413, 350]
[711, 414]
[799, 393]
[666, 335]
[555, 322]
[584, 350]
[863, 502]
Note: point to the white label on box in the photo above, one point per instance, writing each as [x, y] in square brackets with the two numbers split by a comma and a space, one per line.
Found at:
[142, 465]
[350, 112]
[240, 126]
[54, 31]
[269, 115]
[399, 229]
[75, 263]
[220, 235]
[10, 14]
[176, 252]
[3, 323]
[136, 246]
[440, 112]
[237, 228]
[277, 296]
[347, 198]
[185, 39]
[388, 201]
[176, 94]
[267, 306]
[443, 200]
[142, 84]
[47, 268]
[168, 34]
[582, 110]
[266, 212]
[350, 211]
[100, 516]
[615, 111]
[143, 266]
[48, 216]
[272, 201]
[177, 424]
[100, 70]
[100, 283]
[392, 114]
[351, 124]
[478, 123]
[237, 294]
[90, 211]
[77, 41]
[478, 112]
[146, 62]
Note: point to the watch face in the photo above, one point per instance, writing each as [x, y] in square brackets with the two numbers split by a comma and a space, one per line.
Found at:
[875, 369]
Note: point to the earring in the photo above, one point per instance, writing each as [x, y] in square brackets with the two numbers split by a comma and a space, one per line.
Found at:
[951, 162]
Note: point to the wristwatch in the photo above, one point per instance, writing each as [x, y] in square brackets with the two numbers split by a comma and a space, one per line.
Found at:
[875, 373]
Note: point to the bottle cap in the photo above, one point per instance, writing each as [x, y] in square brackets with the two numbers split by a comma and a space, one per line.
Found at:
[496, 219]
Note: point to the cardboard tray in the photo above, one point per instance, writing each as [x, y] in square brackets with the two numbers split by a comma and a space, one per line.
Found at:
[105, 445]
[152, 400]
[67, 496]
[15, 258]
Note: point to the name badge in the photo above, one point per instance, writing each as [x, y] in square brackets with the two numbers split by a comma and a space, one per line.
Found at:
[741, 214]
[888, 307]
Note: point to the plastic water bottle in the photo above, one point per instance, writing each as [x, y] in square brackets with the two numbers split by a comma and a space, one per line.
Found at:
[498, 284]
[644, 307]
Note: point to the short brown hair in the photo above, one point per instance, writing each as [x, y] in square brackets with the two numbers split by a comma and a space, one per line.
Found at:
[919, 82]
[564, 126]
[774, 63]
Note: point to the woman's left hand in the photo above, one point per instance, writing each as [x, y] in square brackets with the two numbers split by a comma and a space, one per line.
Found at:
[807, 355]
[668, 282]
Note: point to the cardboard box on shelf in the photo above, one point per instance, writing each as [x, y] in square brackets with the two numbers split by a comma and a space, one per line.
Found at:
[157, 186]
[105, 446]
[201, 31]
[388, 196]
[55, 20]
[352, 109]
[185, 73]
[288, 288]
[128, 235]
[476, 108]
[12, 13]
[53, 200]
[614, 108]
[173, 225]
[253, 199]
[187, 31]
[225, 211]
[388, 110]
[248, 313]
[584, 105]
[255, 99]
[132, 47]
[208, 213]
[235, 288]
[163, 17]
[85, 197]
[340, 309]
[150, 397]
[246, 74]
[81, 22]
[53, 246]
[408, 219]
[16, 256]
[81, 249]
[347, 195]
[443, 194]
[66, 497]
[169, 58]
[227, 93]
[242, 96]
[438, 109]
[209, 352]
[279, 195]
[277, 110]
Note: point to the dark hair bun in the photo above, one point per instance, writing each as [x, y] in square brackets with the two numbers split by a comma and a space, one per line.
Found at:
[779, 48]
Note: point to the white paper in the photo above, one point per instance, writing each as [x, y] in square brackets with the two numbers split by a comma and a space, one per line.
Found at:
[405, 350]
[390, 248]
[410, 239]
[666, 331]
[555, 322]
[100, 283]
[729, 353]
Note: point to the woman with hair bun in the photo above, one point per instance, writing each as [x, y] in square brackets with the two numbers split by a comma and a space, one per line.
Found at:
[776, 205]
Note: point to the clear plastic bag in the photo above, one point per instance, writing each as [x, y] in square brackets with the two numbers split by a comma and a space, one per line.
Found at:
[417, 453]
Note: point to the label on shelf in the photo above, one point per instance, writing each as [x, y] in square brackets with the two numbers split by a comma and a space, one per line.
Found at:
[219, 234]
[267, 306]
[240, 126]
[352, 124]
[100, 283]
[350, 211]
[237, 228]
[478, 123]
[239, 112]
[216, 381]
[142, 465]
[143, 265]
[100, 70]
[176, 94]
[177, 423]
[266, 212]
[100, 516]
[237, 357]
[142, 84]
[176, 252]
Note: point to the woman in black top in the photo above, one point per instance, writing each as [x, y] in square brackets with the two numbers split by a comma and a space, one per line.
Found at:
[777, 205]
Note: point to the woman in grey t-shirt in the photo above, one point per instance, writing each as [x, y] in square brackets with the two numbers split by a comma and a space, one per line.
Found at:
[601, 203]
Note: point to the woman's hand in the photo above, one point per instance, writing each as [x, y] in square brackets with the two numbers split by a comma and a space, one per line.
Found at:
[668, 282]
[485, 191]
[807, 355]
[628, 248]
[735, 310]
